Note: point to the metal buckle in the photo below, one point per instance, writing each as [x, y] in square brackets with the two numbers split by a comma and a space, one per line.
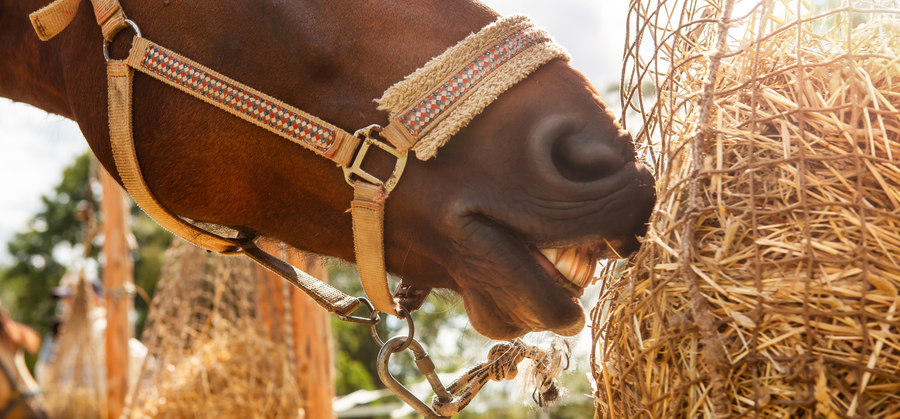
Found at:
[367, 136]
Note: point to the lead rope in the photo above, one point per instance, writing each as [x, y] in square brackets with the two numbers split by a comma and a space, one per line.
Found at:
[426, 109]
[502, 364]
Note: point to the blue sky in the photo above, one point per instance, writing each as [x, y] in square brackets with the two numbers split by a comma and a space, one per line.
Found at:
[36, 146]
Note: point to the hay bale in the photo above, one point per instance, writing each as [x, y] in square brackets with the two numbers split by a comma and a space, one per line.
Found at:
[768, 283]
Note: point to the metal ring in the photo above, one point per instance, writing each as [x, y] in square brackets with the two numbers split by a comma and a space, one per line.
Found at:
[409, 337]
[133, 25]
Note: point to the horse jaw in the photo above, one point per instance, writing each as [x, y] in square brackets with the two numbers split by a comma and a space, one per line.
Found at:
[495, 194]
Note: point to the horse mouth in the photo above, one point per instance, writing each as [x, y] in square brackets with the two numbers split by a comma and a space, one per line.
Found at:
[571, 268]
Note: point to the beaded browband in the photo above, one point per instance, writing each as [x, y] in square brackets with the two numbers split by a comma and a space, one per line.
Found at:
[426, 109]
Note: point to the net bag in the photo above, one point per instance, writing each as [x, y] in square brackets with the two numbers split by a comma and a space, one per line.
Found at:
[767, 285]
[209, 352]
[74, 382]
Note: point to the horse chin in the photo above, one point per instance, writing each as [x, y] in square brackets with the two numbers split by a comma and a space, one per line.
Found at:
[506, 291]
[498, 323]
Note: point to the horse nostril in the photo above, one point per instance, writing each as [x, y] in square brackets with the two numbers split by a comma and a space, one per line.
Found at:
[588, 155]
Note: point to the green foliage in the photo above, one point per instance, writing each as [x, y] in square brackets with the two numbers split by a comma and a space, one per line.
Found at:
[149, 258]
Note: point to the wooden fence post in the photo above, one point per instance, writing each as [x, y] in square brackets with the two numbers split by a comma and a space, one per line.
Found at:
[118, 275]
[310, 330]
[313, 343]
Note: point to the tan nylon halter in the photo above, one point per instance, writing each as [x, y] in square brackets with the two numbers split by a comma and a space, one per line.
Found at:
[426, 109]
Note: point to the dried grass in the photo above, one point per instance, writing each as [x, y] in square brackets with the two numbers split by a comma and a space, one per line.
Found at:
[209, 357]
[74, 382]
[233, 374]
[768, 283]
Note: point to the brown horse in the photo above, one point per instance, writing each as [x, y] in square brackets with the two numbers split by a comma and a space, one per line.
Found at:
[18, 391]
[544, 166]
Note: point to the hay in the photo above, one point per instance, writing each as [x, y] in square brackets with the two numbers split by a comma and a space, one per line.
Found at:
[233, 374]
[768, 283]
[74, 382]
[209, 357]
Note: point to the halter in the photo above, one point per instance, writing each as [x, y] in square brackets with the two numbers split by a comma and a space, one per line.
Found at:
[426, 109]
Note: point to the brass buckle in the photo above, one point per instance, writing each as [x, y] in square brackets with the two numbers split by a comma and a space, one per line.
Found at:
[367, 136]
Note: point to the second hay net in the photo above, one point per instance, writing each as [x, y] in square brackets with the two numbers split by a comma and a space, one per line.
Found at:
[209, 354]
[768, 282]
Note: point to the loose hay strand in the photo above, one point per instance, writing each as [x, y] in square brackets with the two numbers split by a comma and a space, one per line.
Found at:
[768, 282]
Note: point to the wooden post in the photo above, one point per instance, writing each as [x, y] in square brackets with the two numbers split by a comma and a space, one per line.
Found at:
[271, 299]
[118, 275]
[313, 344]
[313, 356]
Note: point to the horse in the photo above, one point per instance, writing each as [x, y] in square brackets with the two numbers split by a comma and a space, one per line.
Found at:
[19, 393]
[543, 167]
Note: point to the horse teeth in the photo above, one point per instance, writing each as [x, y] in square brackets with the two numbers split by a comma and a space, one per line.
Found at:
[576, 264]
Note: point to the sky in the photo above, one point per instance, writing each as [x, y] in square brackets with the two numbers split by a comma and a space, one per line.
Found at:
[36, 146]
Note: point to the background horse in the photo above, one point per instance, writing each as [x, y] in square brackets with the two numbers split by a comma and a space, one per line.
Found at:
[544, 166]
[18, 391]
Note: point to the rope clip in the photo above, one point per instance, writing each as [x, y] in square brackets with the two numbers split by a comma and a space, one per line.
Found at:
[425, 366]
[373, 319]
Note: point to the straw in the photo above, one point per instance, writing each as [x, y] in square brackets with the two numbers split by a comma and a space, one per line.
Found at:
[768, 282]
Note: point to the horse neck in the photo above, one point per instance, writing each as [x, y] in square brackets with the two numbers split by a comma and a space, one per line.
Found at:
[30, 70]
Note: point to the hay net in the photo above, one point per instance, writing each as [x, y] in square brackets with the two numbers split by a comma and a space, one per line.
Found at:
[209, 353]
[74, 381]
[768, 282]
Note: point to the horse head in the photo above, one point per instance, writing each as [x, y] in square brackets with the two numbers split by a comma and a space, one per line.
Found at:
[17, 388]
[543, 170]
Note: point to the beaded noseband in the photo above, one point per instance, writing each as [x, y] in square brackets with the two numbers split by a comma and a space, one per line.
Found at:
[426, 109]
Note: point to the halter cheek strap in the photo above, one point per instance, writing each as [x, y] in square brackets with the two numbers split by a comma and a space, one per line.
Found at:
[426, 109]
